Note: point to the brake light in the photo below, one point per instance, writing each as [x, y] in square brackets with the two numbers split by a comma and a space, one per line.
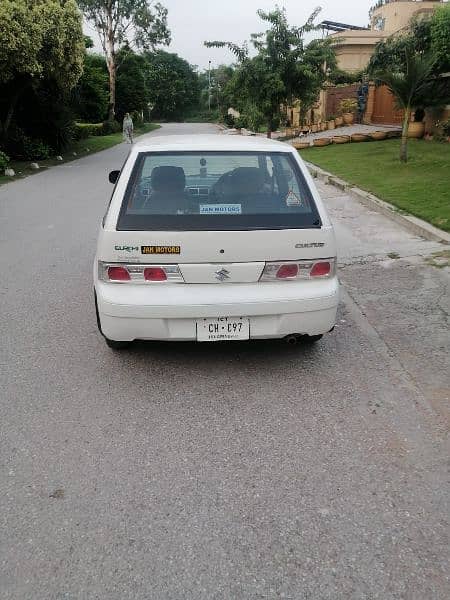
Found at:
[320, 269]
[299, 269]
[139, 273]
[118, 274]
[154, 274]
[287, 271]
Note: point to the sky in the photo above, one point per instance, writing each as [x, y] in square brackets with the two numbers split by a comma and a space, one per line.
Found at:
[194, 21]
[191, 22]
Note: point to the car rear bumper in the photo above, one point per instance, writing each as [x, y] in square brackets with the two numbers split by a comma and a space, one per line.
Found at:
[169, 312]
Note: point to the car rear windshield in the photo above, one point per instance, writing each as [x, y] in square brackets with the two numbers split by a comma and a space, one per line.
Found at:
[173, 191]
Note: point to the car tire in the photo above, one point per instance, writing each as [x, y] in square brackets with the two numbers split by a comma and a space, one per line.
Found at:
[312, 339]
[115, 345]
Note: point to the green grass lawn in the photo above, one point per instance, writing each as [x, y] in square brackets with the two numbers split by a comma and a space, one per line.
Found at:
[420, 187]
[81, 148]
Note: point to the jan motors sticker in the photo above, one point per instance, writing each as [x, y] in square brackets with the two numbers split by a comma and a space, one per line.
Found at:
[161, 249]
[220, 209]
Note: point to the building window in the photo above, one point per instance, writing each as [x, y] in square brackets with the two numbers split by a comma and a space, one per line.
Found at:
[379, 23]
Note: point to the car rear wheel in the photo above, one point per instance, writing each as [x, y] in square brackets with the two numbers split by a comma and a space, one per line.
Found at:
[115, 345]
[311, 339]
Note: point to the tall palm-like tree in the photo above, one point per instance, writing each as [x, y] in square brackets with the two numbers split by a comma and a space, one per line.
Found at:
[409, 87]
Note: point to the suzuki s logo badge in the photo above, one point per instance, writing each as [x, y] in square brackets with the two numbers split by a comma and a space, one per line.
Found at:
[222, 274]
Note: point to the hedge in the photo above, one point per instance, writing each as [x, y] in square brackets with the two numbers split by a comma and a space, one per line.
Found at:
[85, 130]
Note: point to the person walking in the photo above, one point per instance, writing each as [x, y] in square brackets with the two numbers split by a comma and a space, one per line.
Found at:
[128, 129]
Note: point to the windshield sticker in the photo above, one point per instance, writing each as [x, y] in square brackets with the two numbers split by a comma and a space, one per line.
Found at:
[161, 249]
[292, 199]
[220, 209]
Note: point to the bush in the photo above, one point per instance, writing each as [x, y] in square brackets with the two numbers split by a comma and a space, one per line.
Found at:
[446, 128]
[228, 120]
[57, 130]
[21, 146]
[34, 149]
[241, 122]
[109, 127]
[348, 105]
[82, 131]
[14, 142]
[340, 77]
[199, 117]
[137, 118]
[4, 161]
[255, 118]
[85, 130]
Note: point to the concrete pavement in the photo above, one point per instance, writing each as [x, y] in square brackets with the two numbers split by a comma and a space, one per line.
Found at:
[248, 470]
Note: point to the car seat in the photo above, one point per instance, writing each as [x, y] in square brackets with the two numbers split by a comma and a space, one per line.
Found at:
[245, 186]
[168, 196]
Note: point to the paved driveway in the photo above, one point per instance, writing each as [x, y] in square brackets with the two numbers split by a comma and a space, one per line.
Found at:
[250, 470]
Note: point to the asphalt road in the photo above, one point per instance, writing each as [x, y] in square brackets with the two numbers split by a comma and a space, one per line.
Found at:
[236, 471]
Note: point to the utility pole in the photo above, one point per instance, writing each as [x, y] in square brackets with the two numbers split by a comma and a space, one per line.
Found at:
[218, 96]
[209, 86]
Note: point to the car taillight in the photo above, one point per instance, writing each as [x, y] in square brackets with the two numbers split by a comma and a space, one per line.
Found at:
[118, 274]
[299, 269]
[155, 274]
[287, 271]
[320, 269]
[137, 273]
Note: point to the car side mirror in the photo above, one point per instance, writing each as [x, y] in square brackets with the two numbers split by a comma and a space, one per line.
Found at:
[113, 176]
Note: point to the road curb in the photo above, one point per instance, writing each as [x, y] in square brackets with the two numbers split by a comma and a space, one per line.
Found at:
[409, 222]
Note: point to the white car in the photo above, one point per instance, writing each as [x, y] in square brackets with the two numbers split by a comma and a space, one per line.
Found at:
[214, 237]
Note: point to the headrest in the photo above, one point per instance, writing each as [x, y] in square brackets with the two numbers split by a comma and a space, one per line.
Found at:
[246, 180]
[168, 179]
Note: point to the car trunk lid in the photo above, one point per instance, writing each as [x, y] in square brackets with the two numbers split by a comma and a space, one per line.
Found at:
[216, 256]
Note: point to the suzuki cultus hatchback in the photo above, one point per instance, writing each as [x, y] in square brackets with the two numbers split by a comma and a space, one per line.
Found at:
[211, 238]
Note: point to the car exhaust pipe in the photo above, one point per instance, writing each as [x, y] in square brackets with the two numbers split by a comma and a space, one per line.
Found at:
[292, 339]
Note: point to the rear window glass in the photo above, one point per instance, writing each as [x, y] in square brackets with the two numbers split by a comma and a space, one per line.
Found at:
[216, 191]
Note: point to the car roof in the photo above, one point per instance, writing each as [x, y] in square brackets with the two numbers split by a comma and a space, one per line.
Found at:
[212, 142]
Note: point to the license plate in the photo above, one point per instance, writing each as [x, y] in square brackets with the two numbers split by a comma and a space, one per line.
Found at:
[223, 328]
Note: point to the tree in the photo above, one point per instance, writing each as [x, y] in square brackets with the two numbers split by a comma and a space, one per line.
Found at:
[21, 36]
[424, 35]
[41, 44]
[132, 86]
[414, 63]
[213, 84]
[390, 54]
[90, 97]
[409, 86]
[172, 84]
[440, 37]
[131, 23]
[284, 69]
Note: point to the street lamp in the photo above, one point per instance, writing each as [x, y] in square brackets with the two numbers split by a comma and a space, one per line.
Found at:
[219, 89]
[209, 86]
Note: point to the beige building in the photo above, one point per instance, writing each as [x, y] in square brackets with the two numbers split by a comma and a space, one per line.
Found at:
[395, 15]
[354, 47]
